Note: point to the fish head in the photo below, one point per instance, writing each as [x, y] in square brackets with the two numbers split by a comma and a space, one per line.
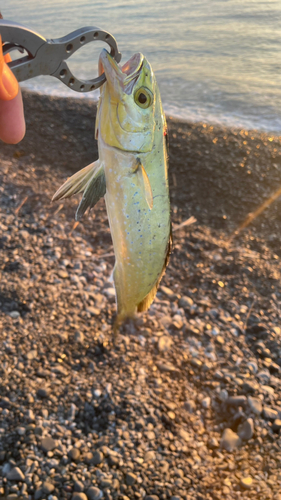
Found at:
[126, 118]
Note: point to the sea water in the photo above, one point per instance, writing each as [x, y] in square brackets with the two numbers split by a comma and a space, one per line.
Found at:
[217, 61]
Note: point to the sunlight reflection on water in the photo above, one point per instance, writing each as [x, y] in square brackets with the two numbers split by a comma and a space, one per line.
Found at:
[216, 61]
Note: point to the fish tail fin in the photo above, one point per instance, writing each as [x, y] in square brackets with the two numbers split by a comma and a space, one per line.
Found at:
[91, 180]
[121, 316]
[149, 298]
[117, 323]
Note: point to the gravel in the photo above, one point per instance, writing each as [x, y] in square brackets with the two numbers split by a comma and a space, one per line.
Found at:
[187, 404]
[15, 474]
[230, 440]
[246, 430]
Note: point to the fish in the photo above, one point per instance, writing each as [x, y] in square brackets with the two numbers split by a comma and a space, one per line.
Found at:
[132, 176]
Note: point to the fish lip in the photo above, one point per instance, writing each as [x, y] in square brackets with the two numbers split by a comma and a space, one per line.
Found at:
[108, 65]
[127, 74]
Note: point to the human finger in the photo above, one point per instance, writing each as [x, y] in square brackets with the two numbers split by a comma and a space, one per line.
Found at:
[12, 123]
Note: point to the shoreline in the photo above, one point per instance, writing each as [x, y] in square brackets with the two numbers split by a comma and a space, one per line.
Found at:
[216, 122]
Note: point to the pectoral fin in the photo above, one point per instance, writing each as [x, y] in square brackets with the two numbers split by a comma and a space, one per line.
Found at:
[95, 190]
[91, 180]
[76, 183]
[144, 184]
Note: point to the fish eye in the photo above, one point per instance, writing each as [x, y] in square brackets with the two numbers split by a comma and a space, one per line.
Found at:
[143, 97]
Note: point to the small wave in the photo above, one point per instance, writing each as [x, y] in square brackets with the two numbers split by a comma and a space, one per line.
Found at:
[188, 114]
[230, 120]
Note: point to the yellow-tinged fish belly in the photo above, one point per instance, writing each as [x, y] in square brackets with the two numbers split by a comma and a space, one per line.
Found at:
[140, 235]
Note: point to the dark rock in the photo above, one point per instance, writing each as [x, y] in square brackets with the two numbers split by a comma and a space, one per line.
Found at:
[5, 403]
[185, 302]
[79, 337]
[190, 406]
[15, 474]
[48, 487]
[97, 457]
[48, 444]
[196, 363]
[78, 486]
[94, 493]
[269, 413]
[246, 430]
[236, 400]
[79, 496]
[113, 460]
[88, 457]
[74, 454]
[252, 365]
[130, 478]
[38, 431]
[167, 367]
[250, 386]
[43, 392]
[255, 405]
[105, 482]
[276, 426]
[39, 493]
[21, 431]
[213, 443]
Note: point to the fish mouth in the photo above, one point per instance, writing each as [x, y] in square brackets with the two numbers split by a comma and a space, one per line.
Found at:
[126, 75]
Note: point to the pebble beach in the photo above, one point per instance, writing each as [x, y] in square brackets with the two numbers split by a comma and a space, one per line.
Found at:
[186, 405]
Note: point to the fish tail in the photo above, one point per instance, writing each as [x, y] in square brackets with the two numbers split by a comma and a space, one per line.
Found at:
[120, 318]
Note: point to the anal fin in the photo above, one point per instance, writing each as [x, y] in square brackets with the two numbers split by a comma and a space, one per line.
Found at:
[147, 301]
[149, 298]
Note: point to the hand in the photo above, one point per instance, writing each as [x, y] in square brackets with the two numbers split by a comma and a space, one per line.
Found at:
[12, 123]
